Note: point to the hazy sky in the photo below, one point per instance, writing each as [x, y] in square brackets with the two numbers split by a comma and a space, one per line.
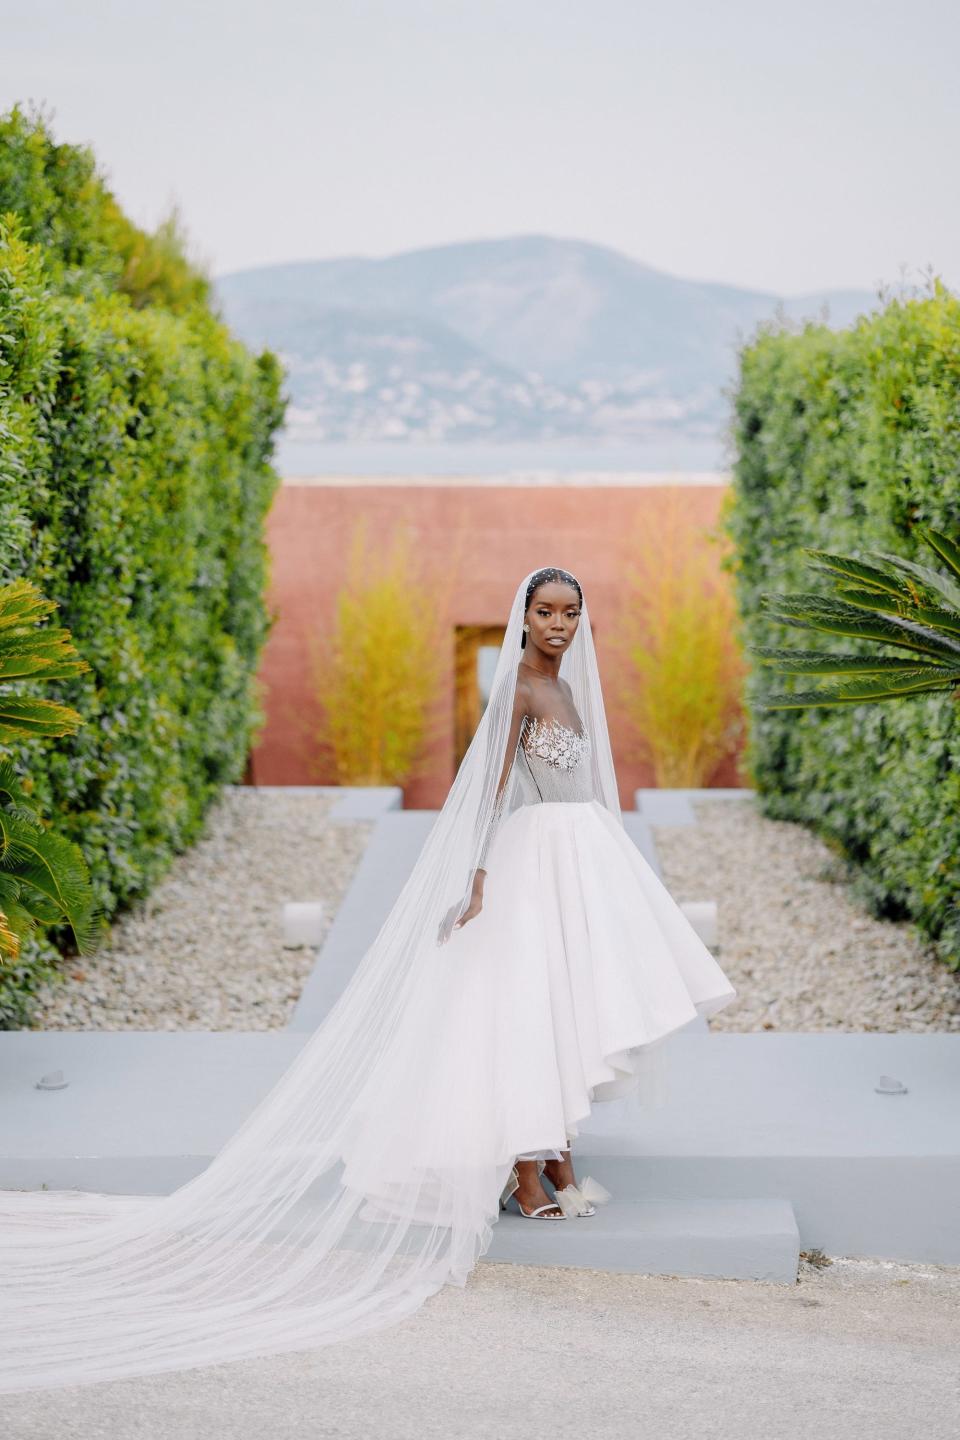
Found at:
[777, 146]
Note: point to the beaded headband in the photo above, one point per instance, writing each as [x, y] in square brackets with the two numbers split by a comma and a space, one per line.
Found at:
[542, 577]
[551, 572]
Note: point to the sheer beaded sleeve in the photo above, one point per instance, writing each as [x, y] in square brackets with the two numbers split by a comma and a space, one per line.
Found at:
[499, 809]
[496, 819]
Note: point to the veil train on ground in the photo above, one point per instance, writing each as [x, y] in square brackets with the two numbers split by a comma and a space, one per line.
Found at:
[321, 1218]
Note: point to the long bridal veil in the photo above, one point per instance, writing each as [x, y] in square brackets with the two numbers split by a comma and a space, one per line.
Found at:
[352, 1191]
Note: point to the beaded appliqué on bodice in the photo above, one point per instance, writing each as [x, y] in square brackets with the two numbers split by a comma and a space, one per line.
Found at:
[555, 760]
[555, 742]
[551, 765]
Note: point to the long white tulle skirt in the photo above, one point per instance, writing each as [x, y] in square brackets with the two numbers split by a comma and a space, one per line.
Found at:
[558, 994]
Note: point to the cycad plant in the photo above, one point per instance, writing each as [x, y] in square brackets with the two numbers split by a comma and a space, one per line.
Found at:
[911, 607]
[43, 877]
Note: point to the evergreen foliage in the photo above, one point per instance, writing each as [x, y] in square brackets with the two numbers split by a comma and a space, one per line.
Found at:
[135, 443]
[848, 444]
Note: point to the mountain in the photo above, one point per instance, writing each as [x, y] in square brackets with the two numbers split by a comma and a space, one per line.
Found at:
[525, 338]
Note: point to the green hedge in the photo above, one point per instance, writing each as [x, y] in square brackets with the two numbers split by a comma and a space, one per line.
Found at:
[846, 441]
[135, 441]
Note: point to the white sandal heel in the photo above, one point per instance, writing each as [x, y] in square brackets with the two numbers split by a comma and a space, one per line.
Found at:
[538, 1214]
[512, 1185]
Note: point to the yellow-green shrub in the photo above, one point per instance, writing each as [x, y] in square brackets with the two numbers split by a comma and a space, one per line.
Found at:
[378, 676]
[682, 670]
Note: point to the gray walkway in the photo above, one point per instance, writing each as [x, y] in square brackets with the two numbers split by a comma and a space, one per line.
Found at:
[853, 1352]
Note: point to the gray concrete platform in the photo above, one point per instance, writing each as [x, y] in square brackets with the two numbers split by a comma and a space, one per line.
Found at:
[143, 1111]
[638, 828]
[748, 1117]
[384, 868]
[350, 802]
[798, 1116]
[673, 807]
[728, 1239]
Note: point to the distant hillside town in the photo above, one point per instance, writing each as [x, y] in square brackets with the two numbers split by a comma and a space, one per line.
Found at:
[519, 339]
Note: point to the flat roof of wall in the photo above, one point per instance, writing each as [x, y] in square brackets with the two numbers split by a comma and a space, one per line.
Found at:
[612, 478]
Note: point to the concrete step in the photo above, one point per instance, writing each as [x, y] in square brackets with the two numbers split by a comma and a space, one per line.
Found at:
[732, 1239]
[760, 1115]
[384, 869]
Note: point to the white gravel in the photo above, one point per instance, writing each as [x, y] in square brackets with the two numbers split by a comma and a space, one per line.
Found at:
[204, 951]
[802, 954]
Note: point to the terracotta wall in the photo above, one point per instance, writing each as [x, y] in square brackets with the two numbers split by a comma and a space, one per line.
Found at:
[493, 536]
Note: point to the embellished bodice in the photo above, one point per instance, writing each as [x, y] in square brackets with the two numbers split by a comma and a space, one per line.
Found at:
[553, 762]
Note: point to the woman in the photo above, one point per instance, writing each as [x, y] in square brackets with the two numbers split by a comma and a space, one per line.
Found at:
[471, 1040]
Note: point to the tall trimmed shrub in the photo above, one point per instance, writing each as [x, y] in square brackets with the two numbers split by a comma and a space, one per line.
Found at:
[846, 441]
[135, 443]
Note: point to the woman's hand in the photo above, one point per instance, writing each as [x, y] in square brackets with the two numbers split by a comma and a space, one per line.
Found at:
[450, 922]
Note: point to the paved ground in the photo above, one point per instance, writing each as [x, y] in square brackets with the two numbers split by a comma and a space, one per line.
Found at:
[862, 1350]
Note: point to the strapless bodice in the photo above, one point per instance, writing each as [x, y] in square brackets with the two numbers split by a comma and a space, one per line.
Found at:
[553, 762]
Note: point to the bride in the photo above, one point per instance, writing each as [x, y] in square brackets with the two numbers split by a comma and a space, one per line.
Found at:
[448, 1080]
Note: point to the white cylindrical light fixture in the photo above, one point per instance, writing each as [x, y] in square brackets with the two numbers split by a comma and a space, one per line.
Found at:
[702, 915]
[302, 923]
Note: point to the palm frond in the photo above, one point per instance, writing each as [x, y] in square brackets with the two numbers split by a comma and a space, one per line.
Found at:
[854, 569]
[934, 616]
[26, 661]
[906, 605]
[23, 718]
[44, 878]
[9, 939]
[812, 662]
[901, 684]
[947, 549]
[21, 603]
[26, 651]
[835, 617]
[54, 879]
[13, 794]
[9, 887]
[932, 579]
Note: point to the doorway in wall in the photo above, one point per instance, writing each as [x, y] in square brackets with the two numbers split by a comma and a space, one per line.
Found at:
[476, 651]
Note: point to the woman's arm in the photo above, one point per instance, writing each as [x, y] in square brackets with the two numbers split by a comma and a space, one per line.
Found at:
[520, 709]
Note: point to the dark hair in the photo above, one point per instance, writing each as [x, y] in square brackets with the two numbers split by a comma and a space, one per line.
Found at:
[544, 577]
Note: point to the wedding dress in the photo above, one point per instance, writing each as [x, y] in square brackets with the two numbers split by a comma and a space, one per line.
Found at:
[370, 1175]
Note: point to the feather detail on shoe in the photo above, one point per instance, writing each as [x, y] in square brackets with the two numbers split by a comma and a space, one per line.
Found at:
[582, 1199]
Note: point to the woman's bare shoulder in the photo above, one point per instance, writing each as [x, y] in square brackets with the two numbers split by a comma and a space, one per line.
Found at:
[522, 695]
[568, 693]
